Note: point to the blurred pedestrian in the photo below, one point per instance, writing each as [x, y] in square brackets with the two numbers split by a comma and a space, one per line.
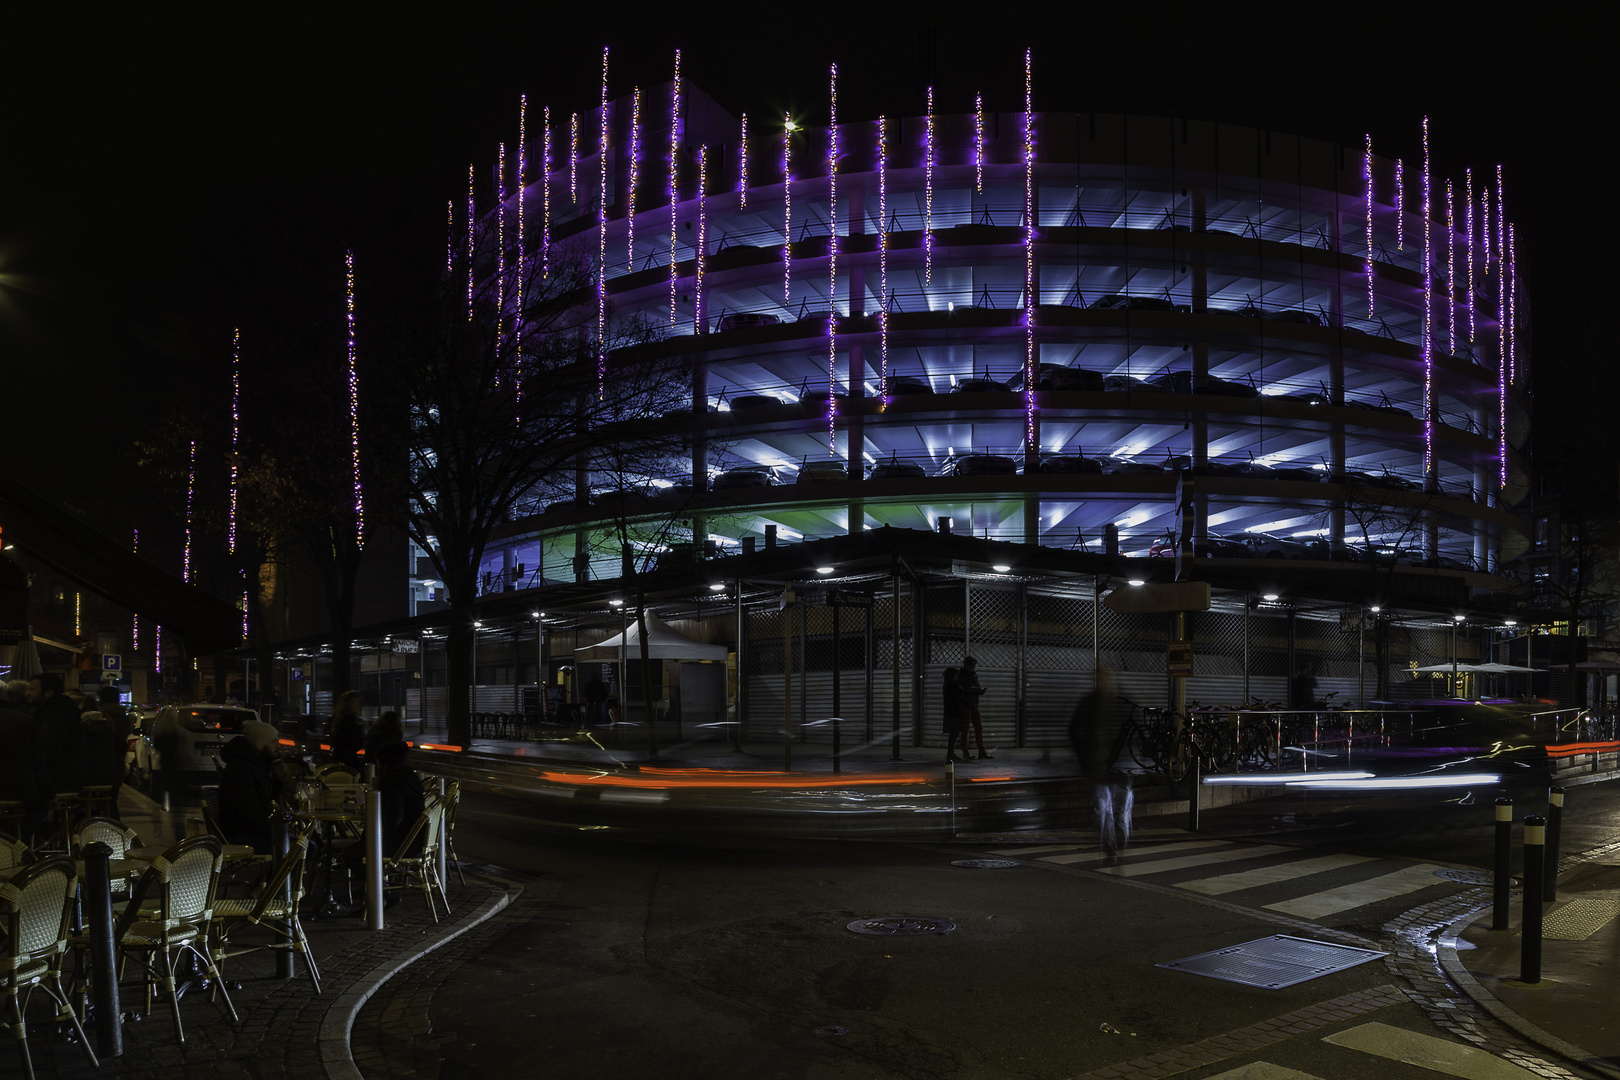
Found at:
[21, 772]
[167, 738]
[386, 728]
[1094, 731]
[60, 735]
[955, 723]
[972, 691]
[346, 734]
[106, 745]
[247, 788]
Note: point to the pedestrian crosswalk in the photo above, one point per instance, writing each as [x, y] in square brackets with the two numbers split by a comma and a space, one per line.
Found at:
[1278, 867]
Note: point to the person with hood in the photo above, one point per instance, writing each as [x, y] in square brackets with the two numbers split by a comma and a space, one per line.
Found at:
[247, 789]
[347, 733]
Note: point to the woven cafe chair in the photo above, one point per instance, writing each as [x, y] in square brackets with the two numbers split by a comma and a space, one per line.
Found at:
[452, 802]
[419, 869]
[35, 906]
[336, 774]
[12, 852]
[115, 834]
[271, 910]
[170, 916]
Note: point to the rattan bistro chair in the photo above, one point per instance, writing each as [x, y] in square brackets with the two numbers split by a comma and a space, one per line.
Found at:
[272, 911]
[414, 868]
[35, 905]
[170, 916]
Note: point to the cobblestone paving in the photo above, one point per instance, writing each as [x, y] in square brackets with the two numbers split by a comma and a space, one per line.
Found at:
[279, 1035]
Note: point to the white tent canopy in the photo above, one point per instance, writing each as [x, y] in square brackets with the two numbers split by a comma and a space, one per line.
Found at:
[663, 643]
[1465, 669]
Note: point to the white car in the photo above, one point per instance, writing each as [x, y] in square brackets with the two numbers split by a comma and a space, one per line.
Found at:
[203, 731]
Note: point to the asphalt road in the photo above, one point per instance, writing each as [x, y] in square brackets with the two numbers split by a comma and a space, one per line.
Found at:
[639, 955]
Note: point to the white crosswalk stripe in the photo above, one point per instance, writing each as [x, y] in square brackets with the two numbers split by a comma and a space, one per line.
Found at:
[1271, 875]
[1332, 901]
[1160, 866]
[1093, 853]
[1438, 1055]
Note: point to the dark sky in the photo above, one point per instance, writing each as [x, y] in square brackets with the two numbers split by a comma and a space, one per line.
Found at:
[158, 168]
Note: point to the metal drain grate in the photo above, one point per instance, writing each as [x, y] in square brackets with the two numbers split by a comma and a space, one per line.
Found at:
[1581, 917]
[987, 864]
[1467, 877]
[1274, 962]
[901, 926]
[831, 1031]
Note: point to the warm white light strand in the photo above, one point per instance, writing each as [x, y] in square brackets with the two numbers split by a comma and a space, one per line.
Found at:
[928, 192]
[573, 159]
[978, 143]
[832, 264]
[1367, 182]
[1468, 243]
[674, 184]
[545, 196]
[702, 238]
[635, 175]
[500, 241]
[522, 173]
[354, 406]
[883, 263]
[236, 426]
[1428, 314]
[742, 164]
[1451, 270]
[1400, 205]
[601, 237]
[472, 244]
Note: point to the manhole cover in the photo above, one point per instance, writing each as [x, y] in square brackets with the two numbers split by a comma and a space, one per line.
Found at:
[1274, 962]
[901, 926]
[987, 864]
[1467, 877]
[830, 1031]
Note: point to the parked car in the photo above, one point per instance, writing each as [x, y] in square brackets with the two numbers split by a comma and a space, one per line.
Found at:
[1380, 406]
[204, 731]
[1072, 465]
[1124, 467]
[633, 491]
[815, 472]
[1292, 315]
[1213, 547]
[983, 465]
[1265, 546]
[980, 384]
[1181, 462]
[909, 384]
[746, 476]
[1307, 397]
[744, 402]
[1059, 377]
[1258, 471]
[814, 402]
[894, 469]
[1129, 384]
[1181, 382]
[741, 320]
[1116, 302]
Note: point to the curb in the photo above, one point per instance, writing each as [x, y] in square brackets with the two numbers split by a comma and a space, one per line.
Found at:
[338, 1022]
[1446, 952]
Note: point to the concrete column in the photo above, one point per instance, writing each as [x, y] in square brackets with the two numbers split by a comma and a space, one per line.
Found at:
[700, 414]
[1200, 271]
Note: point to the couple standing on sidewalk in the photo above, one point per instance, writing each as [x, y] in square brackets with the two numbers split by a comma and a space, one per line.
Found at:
[962, 693]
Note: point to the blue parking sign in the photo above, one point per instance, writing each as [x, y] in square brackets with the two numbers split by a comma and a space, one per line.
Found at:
[112, 662]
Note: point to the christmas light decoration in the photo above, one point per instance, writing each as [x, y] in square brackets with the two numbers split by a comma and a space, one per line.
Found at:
[1501, 267]
[742, 163]
[545, 196]
[1451, 270]
[500, 239]
[1501, 415]
[1029, 255]
[78, 614]
[450, 240]
[702, 238]
[1468, 242]
[472, 220]
[236, 427]
[191, 495]
[832, 263]
[522, 159]
[928, 192]
[1428, 315]
[601, 239]
[1400, 205]
[573, 158]
[1513, 304]
[883, 262]
[635, 174]
[244, 614]
[674, 184]
[157, 650]
[978, 143]
[135, 620]
[1485, 227]
[787, 212]
[354, 412]
[1367, 179]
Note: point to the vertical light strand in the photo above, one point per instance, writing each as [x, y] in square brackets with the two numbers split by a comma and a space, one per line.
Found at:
[450, 239]
[1029, 255]
[883, 262]
[928, 191]
[1367, 181]
[702, 239]
[1485, 227]
[832, 262]
[157, 649]
[500, 241]
[978, 144]
[472, 243]
[674, 184]
[236, 429]
[787, 212]
[1513, 304]
[191, 495]
[573, 159]
[78, 614]
[601, 237]
[1501, 413]
[354, 410]
[635, 175]
[1468, 244]
[1428, 315]
[545, 195]
[1400, 205]
[742, 163]
[522, 236]
[1451, 270]
[135, 620]
[1501, 270]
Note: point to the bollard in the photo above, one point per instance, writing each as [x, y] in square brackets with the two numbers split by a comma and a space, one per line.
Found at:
[441, 860]
[97, 893]
[1196, 779]
[1555, 829]
[280, 844]
[838, 746]
[374, 852]
[1502, 879]
[950, 775]
[1535, 851]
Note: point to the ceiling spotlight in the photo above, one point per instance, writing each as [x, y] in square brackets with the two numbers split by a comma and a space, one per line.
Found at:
[1511, 622]
[824, 569]
[1375, 609]
[1269, 597]
[1001, 568]
[535, 614]
[616, 602]
[477, 623]
[1136, 581]
[1458, 618]
[717, 585]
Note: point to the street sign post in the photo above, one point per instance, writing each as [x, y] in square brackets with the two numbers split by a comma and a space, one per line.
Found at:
[1178, 659]
[297, 674]
[112, 663]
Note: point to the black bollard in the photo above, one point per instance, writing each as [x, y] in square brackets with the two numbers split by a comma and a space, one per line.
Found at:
[279, 844]
[1555, 829]
[1535, 851]
[97, 897]
[1195, 779]
[838, 745]
[1502, 880]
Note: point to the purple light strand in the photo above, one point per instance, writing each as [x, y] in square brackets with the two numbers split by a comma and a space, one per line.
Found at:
[601, 239]
[450, 239]
[1428, 316]
[742, 163]
[928, 192]
[573, 158]
[1501, 266]
[702, 238]
[1400, 205]
[1501, 416]
[787, 212]
[1513, 304]
[135, 620]
[1367, 178]
[978, 143]
[883, 263]
[191, 491]
[1451, 269]
[236, 425]
[522, 191]
[1029, 255]
[1468, 243]
[832, 263]
[545, 196]
[500, 241]
[354, 409]
[674, 184]
[472, 218]
[635, 174]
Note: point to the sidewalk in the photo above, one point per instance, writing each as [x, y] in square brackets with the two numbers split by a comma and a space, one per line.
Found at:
[1571, 1010]
[286, 1030]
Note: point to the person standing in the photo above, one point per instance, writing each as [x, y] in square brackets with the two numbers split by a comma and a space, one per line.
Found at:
[106, 745]
[59, 734]
[386, 728]
[1094, 732]
[347, 733]
[955, 725]
[21, 779]
[972, 691]
[247, 787]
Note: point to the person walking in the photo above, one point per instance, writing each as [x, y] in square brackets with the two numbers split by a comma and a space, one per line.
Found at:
[1094, 731]
[972, 691]
[955, 721]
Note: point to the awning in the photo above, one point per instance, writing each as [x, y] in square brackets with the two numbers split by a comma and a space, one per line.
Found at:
[663, 643]
[1472, 669]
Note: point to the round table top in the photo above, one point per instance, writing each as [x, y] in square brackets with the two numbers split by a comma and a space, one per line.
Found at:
[147, 854]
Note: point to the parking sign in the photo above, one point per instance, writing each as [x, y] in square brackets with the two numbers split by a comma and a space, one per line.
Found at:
[112, 662]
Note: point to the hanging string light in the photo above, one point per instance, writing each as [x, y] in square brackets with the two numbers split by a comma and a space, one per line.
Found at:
[742, 163]
[1468, 243]
[1502, 381]
[601, 238]
[635, 174]
[354, 411]
[157, 650]
[573, 158]
[1513, 305]
[702, 238]
[1485, 226]
[1029, 255]
[883, 262]
[1451, 270]
[832, 263]
[236, 427]
[450, 239]
[1501, 266]
[500, 240]
[522, 160]
[472, 218]
[1367, 180]
[928, 191]
[787, 211]
[135, 620]
[191, 494]
[545, 195]
[1400, 205]
[978, 143]
[674, 184]
[1428, 315]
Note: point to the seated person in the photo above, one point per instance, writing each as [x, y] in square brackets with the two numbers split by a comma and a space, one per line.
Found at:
[247, 788]
[402, 800]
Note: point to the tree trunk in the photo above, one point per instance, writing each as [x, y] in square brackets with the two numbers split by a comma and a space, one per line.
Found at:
[1381, 655]
[646, 671]
[458, 664]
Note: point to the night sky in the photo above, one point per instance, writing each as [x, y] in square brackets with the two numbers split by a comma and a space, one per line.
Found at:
[169, 177]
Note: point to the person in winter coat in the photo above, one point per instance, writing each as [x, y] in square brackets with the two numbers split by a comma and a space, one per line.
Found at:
[21, 768]
[247, 789]
[955, 716]
[106, 744]
[385, 729]
[346, 734]
[59, 734]
[1094, 731]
